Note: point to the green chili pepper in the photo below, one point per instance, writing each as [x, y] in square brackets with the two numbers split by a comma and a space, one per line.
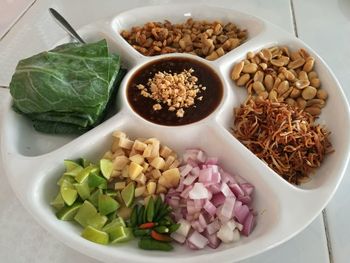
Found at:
[140, 216]
[133, 217]
[142, 232]
[162, 229]
[157, 205]
[164, 222]
[163, 213]
[151, 244]
[174, 227]
[150, 210]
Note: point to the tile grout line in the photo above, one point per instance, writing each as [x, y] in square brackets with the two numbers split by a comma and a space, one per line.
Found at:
[328, 238]
[293, 17]
[18, 19]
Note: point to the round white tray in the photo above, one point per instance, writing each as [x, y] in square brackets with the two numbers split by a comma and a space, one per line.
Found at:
[33, 161]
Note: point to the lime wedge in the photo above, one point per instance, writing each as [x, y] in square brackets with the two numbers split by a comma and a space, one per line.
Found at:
[95, 235]
[85, 173]
[94, 197]
[67, 213]
[120, 234]
[71, 165]
[65, 177]
[69, 195]
[116, 222]
[74, 172]
[95, 180]
[112, 216]
[128, 194]
[84, 162]
[106, 168]
[58, 202]
[83, 189]
[86, 211]
[97, 221]
[107, 204]
[111, 193]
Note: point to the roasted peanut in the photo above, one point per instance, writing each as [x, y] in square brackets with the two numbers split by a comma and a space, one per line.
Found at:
[322, 94]
[268, 81]
[273, 95]
[237, 69]
[259, 76]
[301, 84]
[315, 82]
[283, 87]
[296, 63]
[258, 87]
[309, 93]
[250, 68]
[315, 111]
[301, 103]
[243, 80]
[309, 64]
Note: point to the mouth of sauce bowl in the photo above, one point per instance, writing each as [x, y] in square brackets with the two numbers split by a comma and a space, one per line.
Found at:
[211, 95]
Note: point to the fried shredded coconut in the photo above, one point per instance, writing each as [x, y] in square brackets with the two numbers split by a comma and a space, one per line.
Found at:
[177, 91]
[283, 136]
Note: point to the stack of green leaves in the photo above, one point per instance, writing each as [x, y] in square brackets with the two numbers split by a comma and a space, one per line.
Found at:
[84, 198]
[66, 89]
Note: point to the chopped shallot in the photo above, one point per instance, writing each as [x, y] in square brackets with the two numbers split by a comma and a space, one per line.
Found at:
[211, 205]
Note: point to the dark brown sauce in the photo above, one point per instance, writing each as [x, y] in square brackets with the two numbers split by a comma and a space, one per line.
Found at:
[143, 106]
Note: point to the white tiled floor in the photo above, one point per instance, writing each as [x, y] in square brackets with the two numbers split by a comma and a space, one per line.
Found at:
[324, 25]
[10, 11]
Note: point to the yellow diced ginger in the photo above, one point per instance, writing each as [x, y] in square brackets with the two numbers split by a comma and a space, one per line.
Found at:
[145, 167]
[115, 173]
[119, 134]
[161, 189]
[119, 186]
[118, 152]
[139, 146]
[168, 162]
[125, 143]
[125, 171]
[165, 151]
[147, 152]
[140, 190]
[175, 164]
[119, 162]
[170, 178]
[141, 179]
[134, 170]
[155, 146]
[151, 187]
[133, 152]
[158, 163]
[108, 155]
[137, 158]
[156, 174]
[115, 145]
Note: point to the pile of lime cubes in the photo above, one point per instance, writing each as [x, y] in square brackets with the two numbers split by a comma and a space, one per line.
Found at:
[84, 198]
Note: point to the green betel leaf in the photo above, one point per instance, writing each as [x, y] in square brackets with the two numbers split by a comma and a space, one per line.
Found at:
[70, 85]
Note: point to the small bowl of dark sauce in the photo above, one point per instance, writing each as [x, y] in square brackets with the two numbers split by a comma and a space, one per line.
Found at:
[205, 102]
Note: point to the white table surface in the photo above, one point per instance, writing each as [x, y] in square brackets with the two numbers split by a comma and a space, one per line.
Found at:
[324, 25]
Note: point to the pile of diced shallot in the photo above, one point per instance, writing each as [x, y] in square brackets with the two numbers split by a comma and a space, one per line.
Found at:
[211, 205]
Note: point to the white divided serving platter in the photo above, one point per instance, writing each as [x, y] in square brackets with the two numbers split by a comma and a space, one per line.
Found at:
[33, 161]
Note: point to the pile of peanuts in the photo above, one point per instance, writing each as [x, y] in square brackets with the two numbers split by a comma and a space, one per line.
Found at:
[206, 39]
[280, 75]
